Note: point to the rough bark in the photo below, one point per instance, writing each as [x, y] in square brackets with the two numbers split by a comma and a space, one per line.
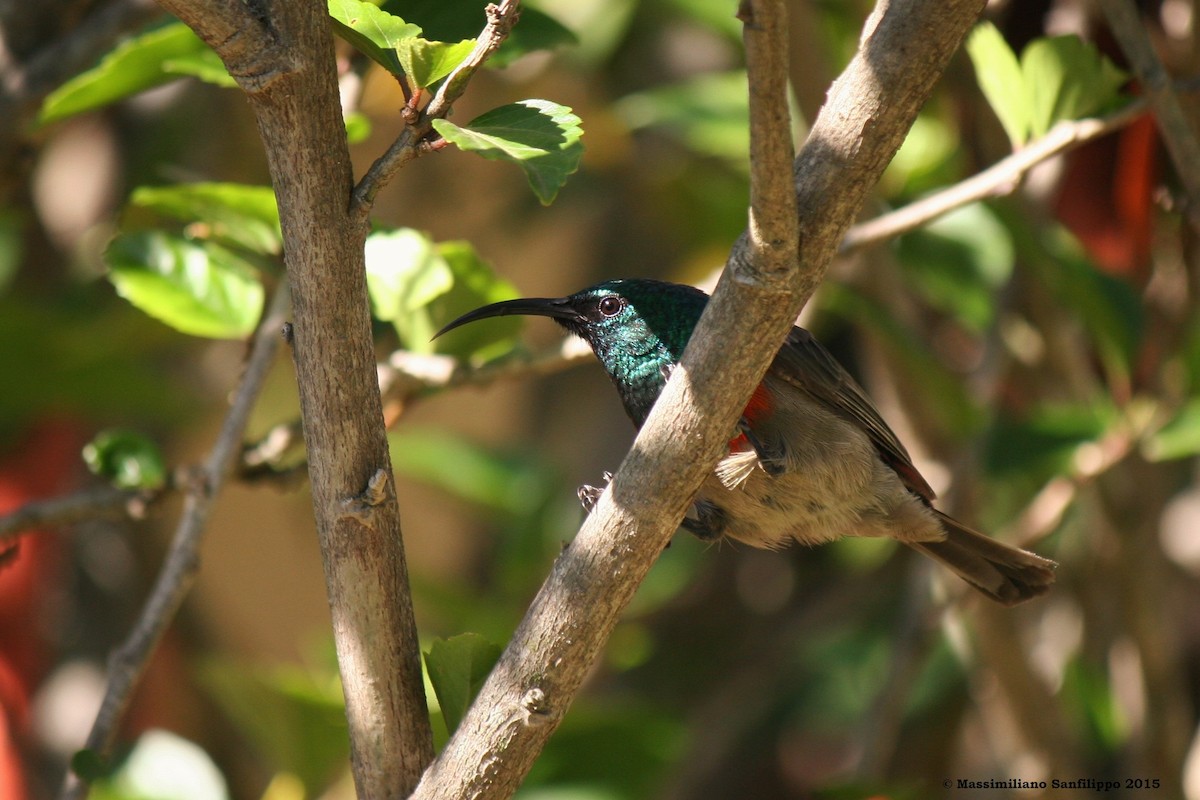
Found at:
[281, 54]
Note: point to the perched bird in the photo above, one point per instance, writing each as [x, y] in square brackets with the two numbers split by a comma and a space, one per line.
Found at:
[811, 459]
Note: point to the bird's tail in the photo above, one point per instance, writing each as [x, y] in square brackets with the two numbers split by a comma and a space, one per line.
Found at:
[1006, 574]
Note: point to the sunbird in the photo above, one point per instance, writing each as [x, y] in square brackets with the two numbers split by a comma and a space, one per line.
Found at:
[811, 459]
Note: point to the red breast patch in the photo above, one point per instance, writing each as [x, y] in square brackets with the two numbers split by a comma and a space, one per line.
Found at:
[760, 405]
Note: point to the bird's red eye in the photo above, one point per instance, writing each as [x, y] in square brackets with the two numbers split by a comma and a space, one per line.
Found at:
[611, 305]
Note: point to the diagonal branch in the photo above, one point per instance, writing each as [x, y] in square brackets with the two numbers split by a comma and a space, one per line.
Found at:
[128, 662]
[1002, 178]
[906, 46]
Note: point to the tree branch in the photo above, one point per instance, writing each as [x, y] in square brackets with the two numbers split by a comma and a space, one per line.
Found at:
[905, 47]
[104, 502]
[281, 53]
[128, 662]
[1000, 179]
[501, 19]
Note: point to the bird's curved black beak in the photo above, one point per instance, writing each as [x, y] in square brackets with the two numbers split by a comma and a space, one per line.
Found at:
[556, 307]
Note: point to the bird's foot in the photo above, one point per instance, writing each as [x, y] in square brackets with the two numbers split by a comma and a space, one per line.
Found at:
[590, 495]
[708, 523]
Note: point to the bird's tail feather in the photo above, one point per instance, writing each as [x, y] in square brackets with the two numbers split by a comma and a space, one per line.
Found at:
[1006, 574]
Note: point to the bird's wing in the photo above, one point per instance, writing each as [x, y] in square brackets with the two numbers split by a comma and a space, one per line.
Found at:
[804, 363]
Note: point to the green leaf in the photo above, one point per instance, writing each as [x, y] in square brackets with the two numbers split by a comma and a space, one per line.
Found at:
[1000, 79]
[1087, 697]
[541, 137]
[230, 212]
[457, 668]
[128, 460]
[425, 62]
[1111, 308]
[358, 127]
[1058, 78]
[133, 66]
[12, 243]
[535, 31]
[374, 32]
[405, 273]
[475, 284]
[418, 286]
[199, 288]
[1067, 78]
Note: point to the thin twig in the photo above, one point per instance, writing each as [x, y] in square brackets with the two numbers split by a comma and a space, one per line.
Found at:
[500, 21]
[128, 662]
[104, 502]
[1178, 135]
[1002, 178]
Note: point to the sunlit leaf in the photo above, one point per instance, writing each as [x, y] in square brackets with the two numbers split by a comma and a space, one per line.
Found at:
[405, 273]
[419, 285]
[1066, 78]
[541, 137]
[457, 668]
[475, 284]
[358, 127]
[1057, 78]
[127, 459]
[372, 31]
[134, 66]
[1000, 79]
[196, 287]
[232, 212]
[425, 62]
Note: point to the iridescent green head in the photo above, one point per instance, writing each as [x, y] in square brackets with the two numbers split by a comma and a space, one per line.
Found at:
[637, 328]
